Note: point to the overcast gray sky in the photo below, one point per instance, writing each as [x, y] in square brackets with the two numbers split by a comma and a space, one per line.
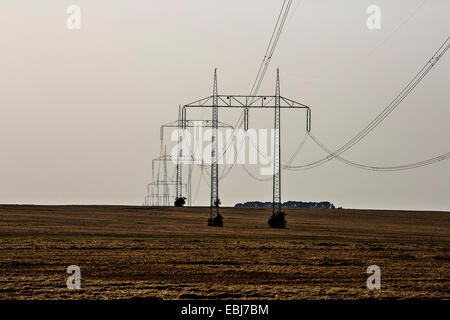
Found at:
[80, 111]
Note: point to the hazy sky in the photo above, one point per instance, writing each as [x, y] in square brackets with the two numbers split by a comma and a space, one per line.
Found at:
[80, 111]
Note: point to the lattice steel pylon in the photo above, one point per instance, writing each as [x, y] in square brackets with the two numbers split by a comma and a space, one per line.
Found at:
[215, 218]
[154, 188]
[165, 185]
[277, 220]
[276, 205]
[179, 199]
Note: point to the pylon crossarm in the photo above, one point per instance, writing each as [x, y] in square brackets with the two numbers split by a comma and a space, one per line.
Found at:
[241, 101]
[201, 102]
[291, 103]
[195, 123]
[163, 183]
[191, 124]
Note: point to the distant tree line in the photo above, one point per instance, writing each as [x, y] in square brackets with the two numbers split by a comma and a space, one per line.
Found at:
[287, 204]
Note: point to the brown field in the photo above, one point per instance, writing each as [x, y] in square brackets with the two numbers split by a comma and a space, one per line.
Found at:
[169, 253]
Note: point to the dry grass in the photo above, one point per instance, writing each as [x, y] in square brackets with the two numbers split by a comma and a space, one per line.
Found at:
[170, 253]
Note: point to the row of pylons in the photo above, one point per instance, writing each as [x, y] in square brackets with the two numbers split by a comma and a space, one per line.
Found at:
[216, 101]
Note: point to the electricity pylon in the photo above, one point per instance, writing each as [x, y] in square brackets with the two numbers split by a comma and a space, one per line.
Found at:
[215, 219]
[277, 102]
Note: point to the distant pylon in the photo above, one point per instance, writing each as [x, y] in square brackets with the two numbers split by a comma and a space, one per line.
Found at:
[179, 200]
[166, 186]
[157, 195]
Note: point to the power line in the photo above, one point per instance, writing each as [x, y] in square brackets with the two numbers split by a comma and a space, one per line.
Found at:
[265, 64]
[400, 26]
[300, 146]
[276, 33]
[293, 13]
[268, 48]
[389, 168]
[292, 158]
[268, 56]
[199, 183]
[391, 107]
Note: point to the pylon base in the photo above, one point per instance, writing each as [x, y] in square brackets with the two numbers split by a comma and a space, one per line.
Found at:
[180, 202]
[216, 221]
[278, 220]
